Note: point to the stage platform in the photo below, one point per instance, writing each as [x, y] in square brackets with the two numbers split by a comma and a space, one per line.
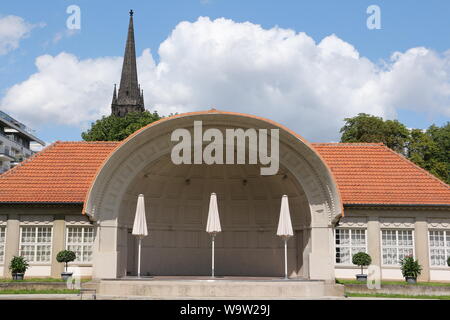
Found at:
[219, 287]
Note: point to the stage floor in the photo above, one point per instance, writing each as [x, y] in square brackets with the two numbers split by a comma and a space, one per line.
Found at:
[208, 278]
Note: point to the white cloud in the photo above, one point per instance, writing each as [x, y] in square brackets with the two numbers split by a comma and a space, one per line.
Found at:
[64, 90]
[275, 73]
[12, 30]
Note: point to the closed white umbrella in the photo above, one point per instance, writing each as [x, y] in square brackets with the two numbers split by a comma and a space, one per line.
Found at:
[285, 228]
[140, 226]
[213, 225]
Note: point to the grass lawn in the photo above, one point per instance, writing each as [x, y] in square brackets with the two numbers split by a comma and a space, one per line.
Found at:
[37, 280]
[49, 291]
[398, 296]
[433, 284]
[32, 280]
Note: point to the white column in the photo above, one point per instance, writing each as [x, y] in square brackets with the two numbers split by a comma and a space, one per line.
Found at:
[105, 264]
[421, 247]
[58, 242]
[12, 242]
[373, 240]
[321, 266]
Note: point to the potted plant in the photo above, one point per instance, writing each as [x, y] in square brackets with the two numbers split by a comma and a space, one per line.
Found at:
[18, 266]
[410, 269]
[361, 259]
[66, 256]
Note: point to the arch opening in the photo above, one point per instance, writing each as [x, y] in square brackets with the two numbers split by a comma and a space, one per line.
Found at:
[177, 198]
[110, 200]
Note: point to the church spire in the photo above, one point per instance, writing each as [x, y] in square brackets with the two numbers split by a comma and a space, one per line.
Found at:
[129, 98]
[114, 99]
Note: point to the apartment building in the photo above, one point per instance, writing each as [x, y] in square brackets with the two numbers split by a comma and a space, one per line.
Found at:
[16, 141]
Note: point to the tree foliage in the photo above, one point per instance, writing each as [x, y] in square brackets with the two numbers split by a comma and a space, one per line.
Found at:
[429, 149]
[114, 128]
[368, 128]
[361, 259]
[66, 256]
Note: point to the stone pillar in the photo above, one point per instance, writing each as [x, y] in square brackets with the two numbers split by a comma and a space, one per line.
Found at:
[306, 251]
[299, 240]
[373, 240]
[58, 244]
[421, 247]
[105, 262]
[321, 266]
[12, 241]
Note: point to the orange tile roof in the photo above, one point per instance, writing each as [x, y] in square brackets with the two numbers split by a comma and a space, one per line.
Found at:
[365, 174]
[371, 173]
[61, 172]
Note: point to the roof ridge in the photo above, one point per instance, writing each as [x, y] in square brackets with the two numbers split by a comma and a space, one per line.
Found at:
[349, 143]
[88, 142]
[417, 167]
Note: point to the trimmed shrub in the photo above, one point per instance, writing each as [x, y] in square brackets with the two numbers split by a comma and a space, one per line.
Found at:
[361, 259]
[66, 256]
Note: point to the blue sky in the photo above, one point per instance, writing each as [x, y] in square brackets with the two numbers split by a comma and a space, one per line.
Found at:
[405, 25]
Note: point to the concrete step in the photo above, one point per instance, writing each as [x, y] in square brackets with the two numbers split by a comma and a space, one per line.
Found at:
[165, 289]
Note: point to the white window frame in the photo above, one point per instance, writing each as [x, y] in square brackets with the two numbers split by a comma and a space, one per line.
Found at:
[396, 246]
[82, 243]
[36, 244]
[2, 257]
[349, 246]
[445, 247]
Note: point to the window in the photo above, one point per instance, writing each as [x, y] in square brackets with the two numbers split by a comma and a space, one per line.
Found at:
[80, 240]
[348, 243]
[36, 244]
[439, 247]
[2, 243]
[396, 245]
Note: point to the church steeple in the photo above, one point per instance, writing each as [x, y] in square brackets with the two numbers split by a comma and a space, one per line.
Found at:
[114, 99]
[130, 98]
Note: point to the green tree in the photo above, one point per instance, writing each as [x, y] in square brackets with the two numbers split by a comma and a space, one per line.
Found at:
[430, 150]
[114, 128]
[361, 259]
[368, 128]
[421, 148]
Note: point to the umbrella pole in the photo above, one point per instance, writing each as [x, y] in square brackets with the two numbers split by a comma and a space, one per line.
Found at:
[212, 258]
[285, 259]
[139, 258]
